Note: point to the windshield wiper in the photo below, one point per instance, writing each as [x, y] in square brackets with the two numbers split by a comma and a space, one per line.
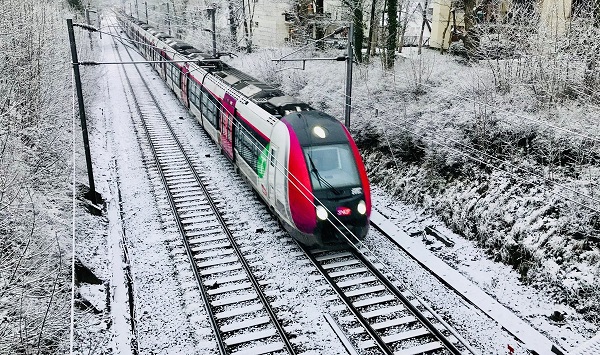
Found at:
[320, 179]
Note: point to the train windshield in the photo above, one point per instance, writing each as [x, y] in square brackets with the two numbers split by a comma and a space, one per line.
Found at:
[331, 166]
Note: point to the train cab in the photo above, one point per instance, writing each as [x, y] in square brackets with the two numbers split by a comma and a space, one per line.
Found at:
[334, 174]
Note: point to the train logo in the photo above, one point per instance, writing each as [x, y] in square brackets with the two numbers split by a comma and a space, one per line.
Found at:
[343, 211]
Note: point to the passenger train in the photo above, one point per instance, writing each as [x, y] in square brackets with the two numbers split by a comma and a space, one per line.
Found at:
[302, 162]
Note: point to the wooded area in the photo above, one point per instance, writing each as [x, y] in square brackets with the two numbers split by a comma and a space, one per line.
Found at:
[35, 178]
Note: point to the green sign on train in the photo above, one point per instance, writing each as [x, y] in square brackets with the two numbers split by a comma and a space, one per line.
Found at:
[261, 164]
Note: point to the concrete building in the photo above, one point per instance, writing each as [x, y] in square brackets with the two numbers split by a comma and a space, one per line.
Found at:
[554, 16]
[274, 23]
[445, 21]
[269, 22]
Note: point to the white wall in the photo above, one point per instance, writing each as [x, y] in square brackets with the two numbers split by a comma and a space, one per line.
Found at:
[268, 25]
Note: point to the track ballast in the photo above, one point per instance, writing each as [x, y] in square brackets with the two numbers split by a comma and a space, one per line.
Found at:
[243, 320]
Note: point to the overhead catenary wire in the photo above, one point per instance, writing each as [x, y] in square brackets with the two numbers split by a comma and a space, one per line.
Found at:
[221, 110]
[278, 164]
[336, 227]
[280, 167]
[307, 193]
[499, 160]
[506, 163]
[499, 109]
[438, 140]
[473, 149]
[510, 172]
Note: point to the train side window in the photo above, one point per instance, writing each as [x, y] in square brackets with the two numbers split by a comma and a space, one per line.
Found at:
[204, 103]
[198, 95]
[175, 75]
[273, 155]
[249, 144]
[193, 93]
[212, 109]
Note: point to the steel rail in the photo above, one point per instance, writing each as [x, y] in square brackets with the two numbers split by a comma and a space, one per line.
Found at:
[363, 321]
[220, 340]
[393, 289]
[226, 230]
[420, 317]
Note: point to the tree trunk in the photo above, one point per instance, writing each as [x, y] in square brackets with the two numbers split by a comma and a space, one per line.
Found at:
[247, 34]
[232, 25]
[450, 15]
[392, 33]
[319, 31]
[359, 30]
[471, 39]
[423, 27]
[371, 27]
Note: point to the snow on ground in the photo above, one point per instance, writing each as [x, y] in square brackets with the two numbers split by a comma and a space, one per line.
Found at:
[496, 279]
[170, 318]
[163, 324]
[386, 104]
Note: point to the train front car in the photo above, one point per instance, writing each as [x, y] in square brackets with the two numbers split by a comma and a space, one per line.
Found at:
[329, 194]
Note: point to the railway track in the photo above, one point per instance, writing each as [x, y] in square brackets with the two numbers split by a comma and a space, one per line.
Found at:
[242, 318]
[380, 318]
[377, 317]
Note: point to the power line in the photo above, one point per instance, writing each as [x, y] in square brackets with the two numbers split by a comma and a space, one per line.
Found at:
[506, 163]
[511, 173]
[541, 122]
[496, 166]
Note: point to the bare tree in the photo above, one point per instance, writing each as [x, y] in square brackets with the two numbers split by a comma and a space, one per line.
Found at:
[319, 30]
[372, 30]
[392, 15]
[471, 36]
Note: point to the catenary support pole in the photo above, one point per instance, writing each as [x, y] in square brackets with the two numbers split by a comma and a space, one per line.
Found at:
[168, 19]
[211, 13]
[87, 20]
[349, 61]
[146, 3]
[86, 143]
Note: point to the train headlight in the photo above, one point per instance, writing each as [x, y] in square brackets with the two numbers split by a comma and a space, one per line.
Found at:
[321, 213]
[320, 132]
[362, 207]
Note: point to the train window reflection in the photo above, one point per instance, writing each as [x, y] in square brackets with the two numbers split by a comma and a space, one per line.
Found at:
[331, 166]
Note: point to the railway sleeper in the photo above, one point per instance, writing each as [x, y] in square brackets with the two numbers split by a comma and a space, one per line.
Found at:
[261, 349]
[247, 323]
[214, 253]
[251, 336]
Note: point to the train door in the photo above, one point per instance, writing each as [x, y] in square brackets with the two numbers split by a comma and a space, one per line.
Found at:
[154, 57]
[272, 174]
[277, 178]
[163, 65]
[184, 85]
[227, 126]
